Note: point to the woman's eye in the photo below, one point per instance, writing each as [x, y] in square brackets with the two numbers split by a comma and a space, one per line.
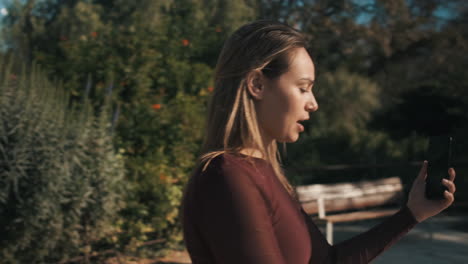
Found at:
[304, 91]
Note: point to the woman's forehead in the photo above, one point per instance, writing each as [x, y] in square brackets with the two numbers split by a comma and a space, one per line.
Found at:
[301, 65]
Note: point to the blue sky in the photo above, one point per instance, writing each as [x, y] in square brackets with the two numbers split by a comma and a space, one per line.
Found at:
[2, 8]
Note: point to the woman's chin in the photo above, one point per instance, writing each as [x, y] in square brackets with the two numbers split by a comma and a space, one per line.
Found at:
[289, 139]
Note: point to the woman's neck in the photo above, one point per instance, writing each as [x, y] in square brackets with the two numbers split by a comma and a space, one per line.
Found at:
[255, 152]
[252, 152]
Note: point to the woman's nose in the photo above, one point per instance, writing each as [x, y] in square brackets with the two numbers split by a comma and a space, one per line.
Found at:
[312, 105]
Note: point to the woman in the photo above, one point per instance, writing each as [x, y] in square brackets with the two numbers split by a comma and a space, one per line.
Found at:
[238, 206]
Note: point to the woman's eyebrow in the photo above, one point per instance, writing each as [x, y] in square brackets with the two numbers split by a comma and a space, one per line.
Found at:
[308, 80]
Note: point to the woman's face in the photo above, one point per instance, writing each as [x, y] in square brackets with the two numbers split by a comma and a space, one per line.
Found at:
[287, 100]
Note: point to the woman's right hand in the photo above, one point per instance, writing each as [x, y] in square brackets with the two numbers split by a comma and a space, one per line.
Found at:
[423, 208]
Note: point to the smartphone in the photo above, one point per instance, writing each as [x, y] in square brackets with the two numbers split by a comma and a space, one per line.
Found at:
[439, 158]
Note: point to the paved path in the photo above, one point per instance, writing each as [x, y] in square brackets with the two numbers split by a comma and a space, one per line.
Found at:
[439, 240]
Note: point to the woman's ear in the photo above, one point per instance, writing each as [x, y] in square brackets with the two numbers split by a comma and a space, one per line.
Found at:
[255, 84]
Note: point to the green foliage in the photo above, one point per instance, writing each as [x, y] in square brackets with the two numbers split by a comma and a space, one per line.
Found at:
[154, 54]
[158, 170]
[346, 102]
[60, 179]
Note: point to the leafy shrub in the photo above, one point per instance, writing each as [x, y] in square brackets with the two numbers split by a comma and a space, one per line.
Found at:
[60, 178]
[159, 164]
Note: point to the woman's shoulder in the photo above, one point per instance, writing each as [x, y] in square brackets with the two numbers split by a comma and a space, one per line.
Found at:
[229, 172]
[238, 160]
[227, 164]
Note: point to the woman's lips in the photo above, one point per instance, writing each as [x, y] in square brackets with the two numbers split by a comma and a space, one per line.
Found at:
[301, 127]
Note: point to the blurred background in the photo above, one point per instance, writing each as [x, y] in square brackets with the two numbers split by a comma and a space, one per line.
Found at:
[103, 105]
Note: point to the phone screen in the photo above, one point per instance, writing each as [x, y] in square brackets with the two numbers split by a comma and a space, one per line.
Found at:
[439, 156]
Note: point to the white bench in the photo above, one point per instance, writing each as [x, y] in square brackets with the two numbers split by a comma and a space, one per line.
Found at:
[350, 201]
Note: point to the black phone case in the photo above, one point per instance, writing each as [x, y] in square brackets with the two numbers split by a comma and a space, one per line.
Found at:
[439, 157]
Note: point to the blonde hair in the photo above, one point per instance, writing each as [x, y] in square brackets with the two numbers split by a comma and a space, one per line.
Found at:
[232, 120]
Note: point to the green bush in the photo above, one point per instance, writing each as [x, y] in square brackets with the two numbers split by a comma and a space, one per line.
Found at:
[169, 139]
[60, 178]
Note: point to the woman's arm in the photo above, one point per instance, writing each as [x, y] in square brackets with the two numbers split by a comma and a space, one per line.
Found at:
[365, 247]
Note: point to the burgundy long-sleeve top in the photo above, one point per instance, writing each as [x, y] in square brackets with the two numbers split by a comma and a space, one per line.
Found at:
[239, 212]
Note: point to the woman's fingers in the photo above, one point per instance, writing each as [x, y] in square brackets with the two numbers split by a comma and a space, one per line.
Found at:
[449, 197]
[423, 172]
[450, 185]
[452, 174]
